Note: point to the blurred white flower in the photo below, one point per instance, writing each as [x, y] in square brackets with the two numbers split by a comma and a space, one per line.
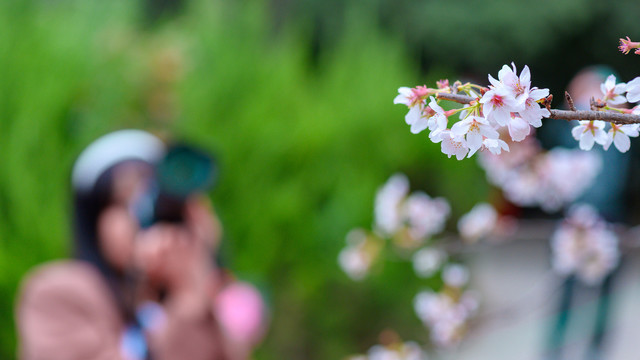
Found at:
[531, 177]
[445, 317]
[478, 222]
[401, 351]
[455, 275]
[582, 245]
[425, 216]
[564, 175]
[387, 205]
[356, 258]
[427, 261]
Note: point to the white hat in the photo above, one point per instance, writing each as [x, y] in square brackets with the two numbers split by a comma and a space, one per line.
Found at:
[111, 149]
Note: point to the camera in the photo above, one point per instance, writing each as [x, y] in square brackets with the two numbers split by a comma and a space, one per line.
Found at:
[183, 171]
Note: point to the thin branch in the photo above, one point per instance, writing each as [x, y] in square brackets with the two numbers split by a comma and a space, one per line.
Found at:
[613, 117]
[461, 99]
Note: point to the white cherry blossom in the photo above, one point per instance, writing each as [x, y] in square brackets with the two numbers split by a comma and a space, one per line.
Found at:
[589, 132]
[619, 136]
[532, 111]
[416, 119]
[411, 97]
[437, 121]
[453, 145]
[498, 104]
[414, 98]
[518, 128]
[633, 90]
[495, 146]
[517, 86]
[474, 129]
[613, 92]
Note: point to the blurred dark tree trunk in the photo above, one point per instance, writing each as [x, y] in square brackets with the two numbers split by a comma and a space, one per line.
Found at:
[159, 9]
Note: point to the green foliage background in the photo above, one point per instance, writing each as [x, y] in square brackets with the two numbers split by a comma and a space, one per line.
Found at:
[295, 100]
[302, 146]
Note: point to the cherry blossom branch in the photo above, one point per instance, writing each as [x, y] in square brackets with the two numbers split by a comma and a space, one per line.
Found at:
[612, 117]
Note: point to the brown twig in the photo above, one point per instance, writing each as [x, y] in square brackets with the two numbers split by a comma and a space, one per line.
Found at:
[612, 117]
[572, 107]
[461, 99]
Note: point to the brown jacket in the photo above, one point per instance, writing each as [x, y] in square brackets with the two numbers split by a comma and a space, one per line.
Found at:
[66, 312]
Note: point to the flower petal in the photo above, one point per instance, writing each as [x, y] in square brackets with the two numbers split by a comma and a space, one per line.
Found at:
[414, 114]
[621, 141]
[577, 131]
[461, 128]
[586, 141]
[600, 137]
[518, 129]
[419, 125]
[474, 141]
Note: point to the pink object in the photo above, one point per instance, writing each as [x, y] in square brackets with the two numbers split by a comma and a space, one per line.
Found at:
[240, 311]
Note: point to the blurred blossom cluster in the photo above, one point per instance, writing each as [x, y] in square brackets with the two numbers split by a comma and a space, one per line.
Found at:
[446, 313]
[409, 218]
[397, 351]
[408, 222]
[478, 222]
[529, 176]
[359, 254]
[428, 260]
[585, 246]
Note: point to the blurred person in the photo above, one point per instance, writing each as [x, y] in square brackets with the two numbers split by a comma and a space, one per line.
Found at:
[137, 288]
[608, 195]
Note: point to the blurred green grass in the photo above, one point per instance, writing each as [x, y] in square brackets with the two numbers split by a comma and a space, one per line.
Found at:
[302, 146]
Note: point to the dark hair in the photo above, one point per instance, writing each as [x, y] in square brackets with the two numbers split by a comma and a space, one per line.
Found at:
[88, 205]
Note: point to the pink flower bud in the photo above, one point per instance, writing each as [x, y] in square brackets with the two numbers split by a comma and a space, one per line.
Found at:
[443, 84]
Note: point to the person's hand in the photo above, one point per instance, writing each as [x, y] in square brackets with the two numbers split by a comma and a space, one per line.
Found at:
[178, 257]
[200, 220]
